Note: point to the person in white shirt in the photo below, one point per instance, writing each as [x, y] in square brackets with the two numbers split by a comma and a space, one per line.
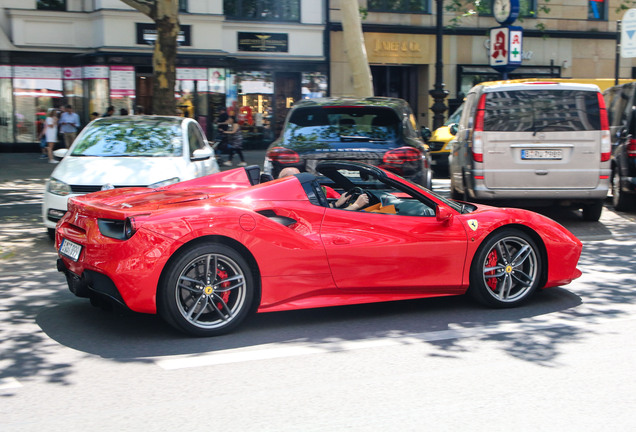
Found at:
[69, 125]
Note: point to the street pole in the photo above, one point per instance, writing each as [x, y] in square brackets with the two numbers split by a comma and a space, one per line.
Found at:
[439, 93]
[617, 64]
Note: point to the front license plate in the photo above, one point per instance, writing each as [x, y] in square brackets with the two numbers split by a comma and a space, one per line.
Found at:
[541, 154]
[70, 250]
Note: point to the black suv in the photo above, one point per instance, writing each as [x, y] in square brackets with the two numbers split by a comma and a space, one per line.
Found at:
[376, 130]
[620, 101]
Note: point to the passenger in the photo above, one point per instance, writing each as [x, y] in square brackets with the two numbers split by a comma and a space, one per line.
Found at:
[361, 202]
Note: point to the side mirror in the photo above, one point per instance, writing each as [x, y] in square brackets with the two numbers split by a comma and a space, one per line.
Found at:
[426, 133]
[201, 154]
[444, 215]
[60, 153]
[453, 128]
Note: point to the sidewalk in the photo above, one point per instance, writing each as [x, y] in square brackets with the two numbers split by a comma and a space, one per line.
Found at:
[29, 166]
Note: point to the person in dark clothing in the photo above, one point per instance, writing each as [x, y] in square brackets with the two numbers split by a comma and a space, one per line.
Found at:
[109, 111]
[234, 141]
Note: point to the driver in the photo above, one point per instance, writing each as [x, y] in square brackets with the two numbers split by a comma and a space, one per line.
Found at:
[361, 201]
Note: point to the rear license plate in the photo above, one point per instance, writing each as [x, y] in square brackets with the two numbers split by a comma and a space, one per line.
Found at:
[541, 154]
[70, 250]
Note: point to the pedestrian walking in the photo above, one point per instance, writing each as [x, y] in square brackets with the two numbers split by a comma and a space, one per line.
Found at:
[235, 141]
[69, 125]
[50, 132]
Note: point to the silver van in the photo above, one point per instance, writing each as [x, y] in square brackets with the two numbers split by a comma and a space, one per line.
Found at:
[539, 143]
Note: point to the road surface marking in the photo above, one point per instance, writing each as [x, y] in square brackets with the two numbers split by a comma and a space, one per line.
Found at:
[9, 383]
[285, 350]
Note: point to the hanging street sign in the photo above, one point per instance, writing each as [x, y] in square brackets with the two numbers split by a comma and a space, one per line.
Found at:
[628, 34]
[506, 44]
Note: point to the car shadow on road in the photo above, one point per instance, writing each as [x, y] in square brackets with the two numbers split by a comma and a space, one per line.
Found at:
[128, 337]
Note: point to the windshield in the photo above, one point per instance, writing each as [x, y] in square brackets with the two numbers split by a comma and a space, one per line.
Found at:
[342, 124]
[122, 136]
[454, 118]
[542, 110]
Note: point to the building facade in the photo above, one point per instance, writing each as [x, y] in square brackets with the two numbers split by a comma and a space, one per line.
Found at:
[259, 56]
[255, 57]
[573, 39]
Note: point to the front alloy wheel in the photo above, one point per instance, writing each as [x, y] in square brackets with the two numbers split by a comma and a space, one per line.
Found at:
[505, 270]
[208, 290]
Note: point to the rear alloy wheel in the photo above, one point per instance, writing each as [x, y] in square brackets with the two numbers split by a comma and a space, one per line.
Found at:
[506, 269]
[207, 291]
[620, 200]
[592, 212]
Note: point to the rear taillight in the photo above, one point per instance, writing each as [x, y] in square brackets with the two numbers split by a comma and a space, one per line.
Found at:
[478, 143]
[606, 142]
[283, 155]
[402, 155]
[631, 148]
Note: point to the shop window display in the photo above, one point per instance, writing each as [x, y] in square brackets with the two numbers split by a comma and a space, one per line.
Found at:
[35, 90]
[314, 85]
[6, 110]
[253, 106]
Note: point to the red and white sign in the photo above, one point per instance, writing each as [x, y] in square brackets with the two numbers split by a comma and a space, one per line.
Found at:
[122, 81]
[499, 44]
[72, 73]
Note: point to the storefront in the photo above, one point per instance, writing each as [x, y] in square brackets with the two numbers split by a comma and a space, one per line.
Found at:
[259, 95]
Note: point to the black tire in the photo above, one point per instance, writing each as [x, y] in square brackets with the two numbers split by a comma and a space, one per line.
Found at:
[592, 212]
[620, 200]
[506, 269]
[50, 232]
[198, 303]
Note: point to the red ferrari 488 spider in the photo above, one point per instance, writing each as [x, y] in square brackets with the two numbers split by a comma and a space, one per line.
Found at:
[207, 252]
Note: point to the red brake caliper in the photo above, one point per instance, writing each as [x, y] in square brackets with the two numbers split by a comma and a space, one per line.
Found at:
[221, 274]
[491, 261]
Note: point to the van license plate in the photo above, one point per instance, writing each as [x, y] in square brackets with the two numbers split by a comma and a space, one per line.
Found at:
[70, 250]
[541, 154]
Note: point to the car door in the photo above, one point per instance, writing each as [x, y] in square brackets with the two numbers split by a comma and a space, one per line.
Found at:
[391, 252]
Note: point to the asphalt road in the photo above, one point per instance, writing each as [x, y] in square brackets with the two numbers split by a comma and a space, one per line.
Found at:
[562, 362]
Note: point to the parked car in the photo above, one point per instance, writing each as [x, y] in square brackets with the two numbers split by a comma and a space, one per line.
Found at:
[206, 253]
[622, 117]
[535, 144]
[114, 152]
[376, 130]
[439, 143]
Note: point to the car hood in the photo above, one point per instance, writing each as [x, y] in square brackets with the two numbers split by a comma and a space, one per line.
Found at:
[118, 171]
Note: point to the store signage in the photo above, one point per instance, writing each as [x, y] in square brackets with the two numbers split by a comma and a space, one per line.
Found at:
[263, 42]
[122, 81]
[147, 34]
[5, 71]
[37, 72]
[72, 73]
[505, 48]
[96, 72]
[192, 74]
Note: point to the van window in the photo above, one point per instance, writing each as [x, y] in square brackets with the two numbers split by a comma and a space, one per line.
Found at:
[542, 110]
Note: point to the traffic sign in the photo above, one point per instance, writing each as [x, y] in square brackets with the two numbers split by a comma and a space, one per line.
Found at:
[628, 34]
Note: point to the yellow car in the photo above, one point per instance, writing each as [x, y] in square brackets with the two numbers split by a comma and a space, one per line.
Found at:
[439, 142]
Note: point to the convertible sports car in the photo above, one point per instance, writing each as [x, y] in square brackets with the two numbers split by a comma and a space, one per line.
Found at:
[207, 252]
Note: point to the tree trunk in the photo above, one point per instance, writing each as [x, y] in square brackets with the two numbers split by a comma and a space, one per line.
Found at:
[355, 49]
[165, 14]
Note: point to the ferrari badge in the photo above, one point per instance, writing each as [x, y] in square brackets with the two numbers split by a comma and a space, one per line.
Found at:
[473, 224]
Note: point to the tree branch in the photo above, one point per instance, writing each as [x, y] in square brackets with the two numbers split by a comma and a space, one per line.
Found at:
[146, 7]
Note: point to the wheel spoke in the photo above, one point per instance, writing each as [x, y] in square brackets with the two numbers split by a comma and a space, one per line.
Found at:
[224, 306]
[189, 279]
[192, 289]
[506, 287]
[503, 252]
[203, 308]
[239, 278]
[494, 272]
[194, 306]
[521, 256]
[525, 279]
